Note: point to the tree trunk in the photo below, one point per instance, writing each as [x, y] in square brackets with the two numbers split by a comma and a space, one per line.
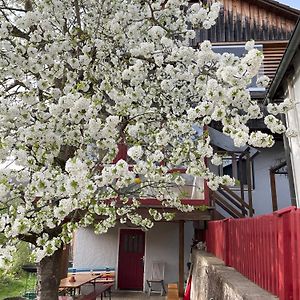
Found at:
[48, 276]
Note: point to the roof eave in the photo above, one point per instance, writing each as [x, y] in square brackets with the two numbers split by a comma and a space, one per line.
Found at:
[277, 5]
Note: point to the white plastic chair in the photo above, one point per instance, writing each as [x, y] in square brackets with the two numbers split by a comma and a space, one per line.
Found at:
[157, 278]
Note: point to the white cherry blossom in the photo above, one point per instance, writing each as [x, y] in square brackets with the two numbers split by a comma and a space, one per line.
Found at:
[89, 85]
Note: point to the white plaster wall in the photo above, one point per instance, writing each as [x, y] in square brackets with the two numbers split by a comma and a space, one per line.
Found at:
[91, 250]
[161, 244]
[293, 121]
[262, 199]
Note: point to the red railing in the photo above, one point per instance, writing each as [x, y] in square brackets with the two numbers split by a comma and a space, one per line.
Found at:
[266, 249]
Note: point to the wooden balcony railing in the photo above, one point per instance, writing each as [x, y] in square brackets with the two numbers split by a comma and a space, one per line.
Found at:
[232, 203]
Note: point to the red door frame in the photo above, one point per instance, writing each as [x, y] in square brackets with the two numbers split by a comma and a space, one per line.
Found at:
[131, 259]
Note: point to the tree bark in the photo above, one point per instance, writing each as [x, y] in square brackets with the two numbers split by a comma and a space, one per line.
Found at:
[48, 276]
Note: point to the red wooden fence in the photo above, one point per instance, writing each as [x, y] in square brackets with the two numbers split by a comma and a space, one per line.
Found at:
[266, 249]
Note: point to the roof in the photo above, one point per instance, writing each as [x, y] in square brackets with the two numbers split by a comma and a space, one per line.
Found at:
[285, 63]
[226, 143]
[280, 6]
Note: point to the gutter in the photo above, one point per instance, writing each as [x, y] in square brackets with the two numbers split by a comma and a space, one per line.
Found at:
[285, 63]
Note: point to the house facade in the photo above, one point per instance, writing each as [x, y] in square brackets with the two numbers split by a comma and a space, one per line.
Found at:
[286, 84]
[130, 251]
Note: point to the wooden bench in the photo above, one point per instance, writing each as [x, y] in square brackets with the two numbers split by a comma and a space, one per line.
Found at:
[101, 289]
[172, 293]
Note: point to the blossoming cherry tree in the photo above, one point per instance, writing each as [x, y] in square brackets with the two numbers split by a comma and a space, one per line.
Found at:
[79, 79]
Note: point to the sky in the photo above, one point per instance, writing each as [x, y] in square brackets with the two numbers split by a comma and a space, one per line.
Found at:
[292, 3]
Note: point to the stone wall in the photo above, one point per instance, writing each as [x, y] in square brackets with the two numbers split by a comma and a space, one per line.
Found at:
[212, 280]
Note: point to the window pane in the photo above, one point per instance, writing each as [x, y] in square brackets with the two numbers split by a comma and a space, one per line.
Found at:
[193, 188]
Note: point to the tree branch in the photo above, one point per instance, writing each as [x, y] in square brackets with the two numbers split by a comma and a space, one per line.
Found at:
[28, 5]
[16, 32]
[13, 85]
[77, 11]
[12, 8]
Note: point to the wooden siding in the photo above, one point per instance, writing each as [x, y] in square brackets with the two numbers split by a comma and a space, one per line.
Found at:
[273, 53]
[242, 20]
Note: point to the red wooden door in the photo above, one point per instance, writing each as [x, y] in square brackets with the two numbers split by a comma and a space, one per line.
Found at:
[131, 259]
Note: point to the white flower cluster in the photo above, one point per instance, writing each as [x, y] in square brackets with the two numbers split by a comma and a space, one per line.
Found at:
[204, 15]
[260, 139]
[291, 133]
[281, 108]
[100, 101]
[135, 152]
[250, 45]
[262, 81]
[274, 124]
[215, 182]
[217, 159]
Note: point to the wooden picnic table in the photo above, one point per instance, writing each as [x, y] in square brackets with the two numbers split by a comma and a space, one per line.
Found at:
[80, 280]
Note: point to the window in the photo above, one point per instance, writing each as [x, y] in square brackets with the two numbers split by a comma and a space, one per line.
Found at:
[193, 188]
[133, 243]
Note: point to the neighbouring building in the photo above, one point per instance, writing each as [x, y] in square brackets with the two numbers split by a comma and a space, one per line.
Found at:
[286, 84]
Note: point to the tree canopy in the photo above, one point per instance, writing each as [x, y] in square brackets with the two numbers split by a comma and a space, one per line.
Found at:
[82, 79]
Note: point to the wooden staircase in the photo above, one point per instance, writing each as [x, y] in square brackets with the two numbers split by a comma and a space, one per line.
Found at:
[233, 200]
[231, 203]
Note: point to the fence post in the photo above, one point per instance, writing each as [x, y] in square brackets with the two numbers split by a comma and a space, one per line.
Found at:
[226, 240]
[285, 268]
